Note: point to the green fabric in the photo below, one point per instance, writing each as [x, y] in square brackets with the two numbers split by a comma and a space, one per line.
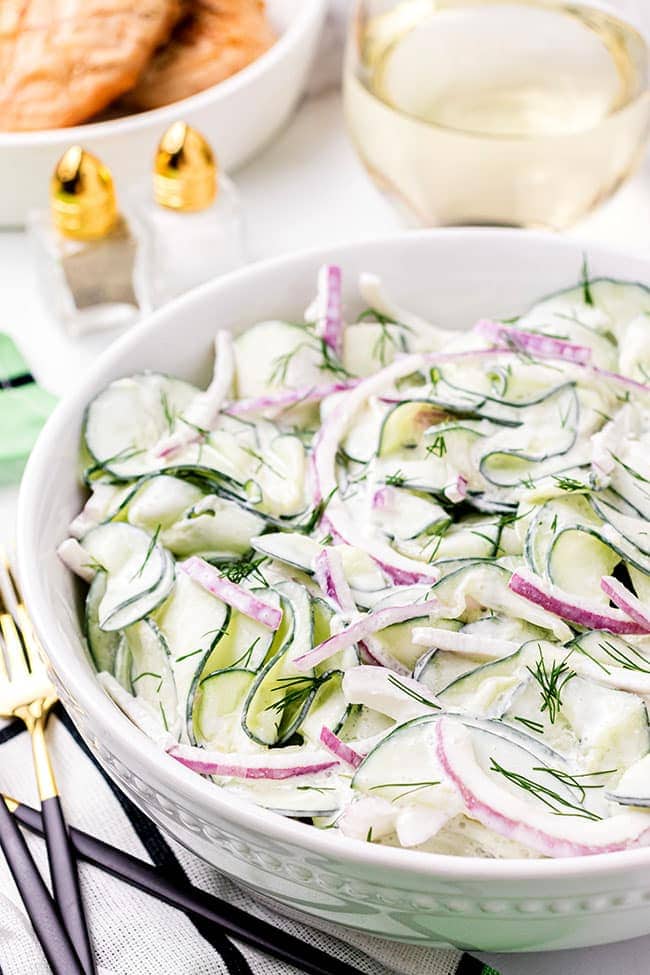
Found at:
[11, 361]
[23, 411]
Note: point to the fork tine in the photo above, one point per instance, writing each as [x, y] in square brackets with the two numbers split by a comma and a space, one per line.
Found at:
[8, 588]
[4, 673]
[16, 658]
[10, 593]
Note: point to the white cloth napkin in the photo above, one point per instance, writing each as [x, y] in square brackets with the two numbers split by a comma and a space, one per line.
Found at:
[132, 933]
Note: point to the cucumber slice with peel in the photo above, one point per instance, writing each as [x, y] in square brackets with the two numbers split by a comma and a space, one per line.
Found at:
[216, 705]
[139, 573]
[103, 644]
[129, 417]
[152, 678]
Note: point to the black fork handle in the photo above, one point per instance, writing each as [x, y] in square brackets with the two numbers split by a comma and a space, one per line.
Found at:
[54, 940]
[65, 880]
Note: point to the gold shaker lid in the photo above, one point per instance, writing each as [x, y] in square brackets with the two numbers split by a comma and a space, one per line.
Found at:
[82, 196]
[185, 170]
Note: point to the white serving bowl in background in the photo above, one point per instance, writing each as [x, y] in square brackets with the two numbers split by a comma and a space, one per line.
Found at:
[238, 116]
[453, 277]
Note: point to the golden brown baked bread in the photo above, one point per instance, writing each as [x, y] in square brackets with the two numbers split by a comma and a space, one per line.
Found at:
[216, 39]
[62, 61]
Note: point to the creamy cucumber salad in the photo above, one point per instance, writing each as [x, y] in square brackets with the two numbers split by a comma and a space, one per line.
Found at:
[387, 578]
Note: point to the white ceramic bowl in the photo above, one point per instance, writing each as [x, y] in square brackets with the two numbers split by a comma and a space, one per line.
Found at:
[238, 116]
[453, 276]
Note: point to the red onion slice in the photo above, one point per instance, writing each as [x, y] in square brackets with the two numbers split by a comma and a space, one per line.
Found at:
[541, 345]
[277, 402]
[569, 606]
[213, 581]
[273, 765]
[328, 569]
[363, 628]
[339, 748]
[626, 601]
[326, 309]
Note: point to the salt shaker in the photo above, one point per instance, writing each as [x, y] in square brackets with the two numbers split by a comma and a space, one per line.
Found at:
[94, 260]
[192, 213]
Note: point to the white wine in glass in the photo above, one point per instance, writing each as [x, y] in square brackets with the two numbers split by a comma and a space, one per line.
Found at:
[515, 112]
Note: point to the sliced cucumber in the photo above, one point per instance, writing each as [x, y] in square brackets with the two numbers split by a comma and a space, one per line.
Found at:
[159, 500]
[103, 645]
[437, 669]
[216, 705]
[630, 527]
[578, 559]
[129, 417]
[403, 767]
[292, 548]
[281, 695]
[610, 650]
[123, 665]
[192, 621]
[405, 425]
[140, 573]
[546, 521]
[328, 708]
[213, 528]
[484, 689]
[611, 725]
[402, 514]
[151, 673]
[633, 789]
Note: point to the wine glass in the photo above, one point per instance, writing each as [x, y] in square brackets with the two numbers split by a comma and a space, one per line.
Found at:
[511, 112]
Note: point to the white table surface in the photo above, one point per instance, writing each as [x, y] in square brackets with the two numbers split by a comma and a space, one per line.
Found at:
[306, 189]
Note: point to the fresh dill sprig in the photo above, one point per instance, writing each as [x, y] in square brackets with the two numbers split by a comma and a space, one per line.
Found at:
[634, 660]
[148, 554]
[575, 781]
[551, 684]
[280, 365]
[317, 512]
[392, 679]
[202, 431]
[167, 410]
[244, 659]
[397, 479]
[262, 462]
[330, 362]
[438, 447]
[148, 673]
[164, 716]
[637, 475]
[93, 564]
[528, 723]
[186, 656]
[587, 296]
[295, 691]
[315, 788]
[242, 569]
[127, 453]
[559, 805]
[409, 786]
[570, 484]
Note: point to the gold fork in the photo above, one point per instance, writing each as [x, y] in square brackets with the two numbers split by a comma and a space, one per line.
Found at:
[27, 693]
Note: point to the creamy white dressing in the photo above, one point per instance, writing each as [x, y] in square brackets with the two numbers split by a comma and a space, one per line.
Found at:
[498, 483]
